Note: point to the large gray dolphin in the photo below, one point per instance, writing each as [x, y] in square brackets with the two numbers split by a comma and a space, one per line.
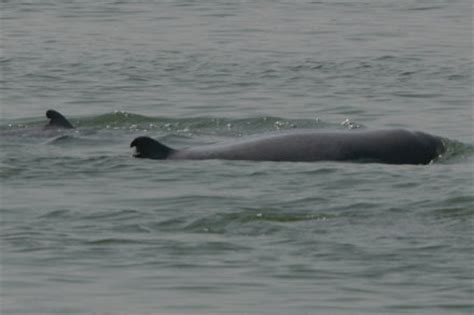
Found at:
[395, 146]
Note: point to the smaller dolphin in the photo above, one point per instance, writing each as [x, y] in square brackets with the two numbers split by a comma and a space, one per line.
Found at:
[57, 120]
[56, 124]
[396, 146]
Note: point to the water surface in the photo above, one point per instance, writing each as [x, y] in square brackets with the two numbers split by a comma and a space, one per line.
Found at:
[85, 228]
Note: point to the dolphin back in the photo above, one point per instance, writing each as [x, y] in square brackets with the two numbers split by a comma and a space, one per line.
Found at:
[381, 146]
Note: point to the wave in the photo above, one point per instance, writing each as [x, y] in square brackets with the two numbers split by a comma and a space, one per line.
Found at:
[455, 151]
[125, 121]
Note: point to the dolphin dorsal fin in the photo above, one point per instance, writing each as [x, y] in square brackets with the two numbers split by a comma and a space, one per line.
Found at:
[146, 147]
[57, 120]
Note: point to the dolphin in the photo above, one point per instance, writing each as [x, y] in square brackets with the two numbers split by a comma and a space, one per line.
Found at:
[391, 146]
[57, 123]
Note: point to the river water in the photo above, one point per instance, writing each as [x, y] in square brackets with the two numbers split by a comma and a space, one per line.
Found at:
[88, 229]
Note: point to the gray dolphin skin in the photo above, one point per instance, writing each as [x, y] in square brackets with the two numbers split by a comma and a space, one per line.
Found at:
[57, 120]
[395, 146]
